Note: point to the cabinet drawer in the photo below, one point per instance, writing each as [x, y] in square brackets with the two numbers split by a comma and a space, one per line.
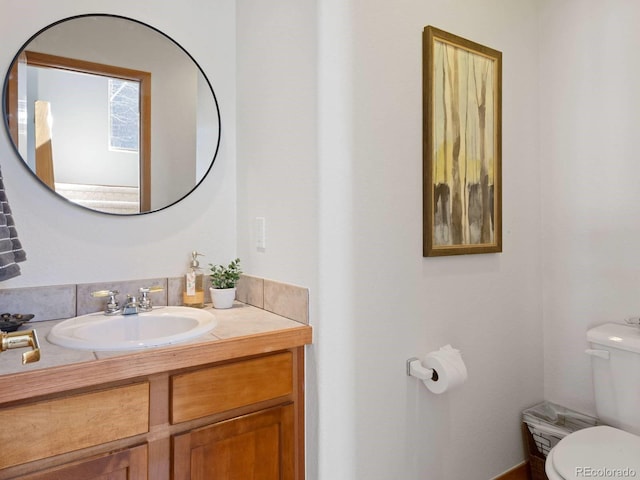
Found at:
[217, 389]
[130, 464]
[52, 427]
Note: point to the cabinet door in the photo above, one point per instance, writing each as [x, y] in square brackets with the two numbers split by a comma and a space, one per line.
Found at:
[258, 446]
[130, 464]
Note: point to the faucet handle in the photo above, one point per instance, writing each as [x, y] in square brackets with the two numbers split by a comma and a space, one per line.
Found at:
[155, 288]
[144, 301]
[104, 293]
[113, 307]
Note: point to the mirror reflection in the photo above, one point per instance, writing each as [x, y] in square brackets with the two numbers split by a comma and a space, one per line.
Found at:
[111, 114]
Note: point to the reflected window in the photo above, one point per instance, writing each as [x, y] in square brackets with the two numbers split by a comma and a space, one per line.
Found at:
[124, 115]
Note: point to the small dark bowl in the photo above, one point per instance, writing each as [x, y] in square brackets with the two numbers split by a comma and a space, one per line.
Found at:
[11, 322]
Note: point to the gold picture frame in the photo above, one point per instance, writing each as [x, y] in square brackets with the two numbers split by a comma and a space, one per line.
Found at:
[462, 146]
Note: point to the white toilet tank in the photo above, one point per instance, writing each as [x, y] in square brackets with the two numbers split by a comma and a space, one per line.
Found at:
[616, 379]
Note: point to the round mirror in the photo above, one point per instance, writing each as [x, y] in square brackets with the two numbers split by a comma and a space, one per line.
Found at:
[111, 114]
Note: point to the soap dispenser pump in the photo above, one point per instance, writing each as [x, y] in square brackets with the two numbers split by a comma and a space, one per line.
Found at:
[193, 295]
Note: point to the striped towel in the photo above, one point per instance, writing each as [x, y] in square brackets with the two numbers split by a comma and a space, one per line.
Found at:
[11, 250]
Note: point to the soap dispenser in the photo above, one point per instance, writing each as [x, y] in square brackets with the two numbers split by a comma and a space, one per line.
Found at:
[193, 295]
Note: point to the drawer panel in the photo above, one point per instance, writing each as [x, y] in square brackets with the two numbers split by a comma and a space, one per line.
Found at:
[52, 427]
[131, 463]
[217, 389]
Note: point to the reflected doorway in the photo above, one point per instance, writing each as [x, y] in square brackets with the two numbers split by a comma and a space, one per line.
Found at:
[99, 126]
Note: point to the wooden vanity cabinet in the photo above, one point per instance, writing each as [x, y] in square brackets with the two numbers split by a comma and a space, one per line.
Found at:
[258, 445]
[128, 464]
[80, 421]
[234, 419]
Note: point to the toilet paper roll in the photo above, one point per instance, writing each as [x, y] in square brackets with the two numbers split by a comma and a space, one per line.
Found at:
[449, 367]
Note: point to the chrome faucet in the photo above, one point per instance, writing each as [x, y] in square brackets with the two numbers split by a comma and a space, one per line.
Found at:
[112, 307]
[144, 304]
[132, 306]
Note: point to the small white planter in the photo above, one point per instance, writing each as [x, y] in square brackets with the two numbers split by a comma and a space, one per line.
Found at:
[223, 297]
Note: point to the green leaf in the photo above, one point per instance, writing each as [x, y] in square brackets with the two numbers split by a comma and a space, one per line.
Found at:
[225, 277]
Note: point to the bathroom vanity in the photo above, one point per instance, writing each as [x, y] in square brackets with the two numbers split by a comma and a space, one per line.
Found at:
[227, 405]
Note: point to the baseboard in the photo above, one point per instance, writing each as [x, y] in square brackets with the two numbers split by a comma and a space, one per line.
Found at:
[519, 472]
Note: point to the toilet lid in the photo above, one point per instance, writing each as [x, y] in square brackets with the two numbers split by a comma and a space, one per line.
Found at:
[598, 452]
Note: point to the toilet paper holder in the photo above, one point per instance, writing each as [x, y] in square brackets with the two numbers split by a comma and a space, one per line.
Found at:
[415, 369]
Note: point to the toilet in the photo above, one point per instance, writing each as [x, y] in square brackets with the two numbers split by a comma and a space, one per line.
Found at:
[610, 451]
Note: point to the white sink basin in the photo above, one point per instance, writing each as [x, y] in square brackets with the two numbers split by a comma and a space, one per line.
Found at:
[161, 326]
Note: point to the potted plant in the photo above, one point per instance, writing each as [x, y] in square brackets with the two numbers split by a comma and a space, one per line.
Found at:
[223, 283]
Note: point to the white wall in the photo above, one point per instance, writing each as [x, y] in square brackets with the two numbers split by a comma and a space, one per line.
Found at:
[80, 111]
[589, 103]
[277, 150]
[377, 301]
[67, 244]
[380, 302]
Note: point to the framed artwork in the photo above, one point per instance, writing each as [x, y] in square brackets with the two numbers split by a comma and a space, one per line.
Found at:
[462, 146]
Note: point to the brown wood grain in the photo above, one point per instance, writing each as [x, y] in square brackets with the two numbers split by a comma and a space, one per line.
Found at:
[127, 464]
[517, 473]
[212, 390]
[67, 424]
[12, 97]
[299, 412]
[25, 385]
[57, 386]
[259, 445]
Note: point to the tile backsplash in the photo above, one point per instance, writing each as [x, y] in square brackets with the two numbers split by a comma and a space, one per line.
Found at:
[85, 303]
[251, 290]
[287, 300]
[284, 299]
[45, 303]
[64, 301]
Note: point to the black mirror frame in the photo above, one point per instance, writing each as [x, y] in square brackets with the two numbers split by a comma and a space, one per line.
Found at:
[24, 163]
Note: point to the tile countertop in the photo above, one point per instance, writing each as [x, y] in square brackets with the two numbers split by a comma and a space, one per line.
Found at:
[241, 331]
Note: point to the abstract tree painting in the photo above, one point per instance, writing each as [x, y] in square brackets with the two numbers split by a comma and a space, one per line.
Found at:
[462, 132]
